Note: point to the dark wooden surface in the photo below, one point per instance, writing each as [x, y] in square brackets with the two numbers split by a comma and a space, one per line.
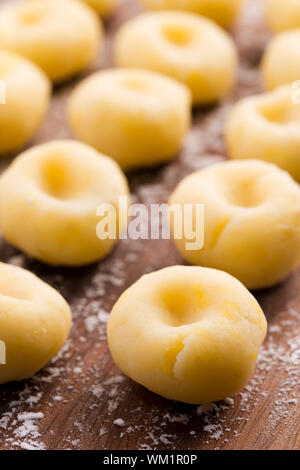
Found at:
[81, 393]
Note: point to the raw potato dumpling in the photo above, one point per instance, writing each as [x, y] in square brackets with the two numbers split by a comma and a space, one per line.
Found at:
[137, 117]
[187, 333]
[26, 95]
[281, 60]
[103, 7]
[251, 222]
[266, 126]
[63, 38]
[223, 12]
[282, 14]
[187, 47]
[49, 198]
[35, 322]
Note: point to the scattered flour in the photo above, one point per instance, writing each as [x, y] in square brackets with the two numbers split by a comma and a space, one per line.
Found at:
[119, 422]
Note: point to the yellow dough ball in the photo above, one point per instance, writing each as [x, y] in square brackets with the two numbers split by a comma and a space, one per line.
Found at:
[103, 7]
[184, 46]
[35, 322]
[137, 117]
[49, 197]
[61, 37]
[281, 60]
[223, 12]
[282, 14]
[26, 93]
[187, 333]
[266, 127]
[252, 220]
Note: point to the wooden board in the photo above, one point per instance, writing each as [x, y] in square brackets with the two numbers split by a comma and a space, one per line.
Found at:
[81, 393]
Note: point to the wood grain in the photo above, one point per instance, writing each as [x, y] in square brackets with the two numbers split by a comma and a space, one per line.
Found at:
[81, 392]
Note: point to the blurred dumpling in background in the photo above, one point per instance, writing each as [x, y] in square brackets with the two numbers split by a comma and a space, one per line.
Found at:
[282, 15]
[62, 37]
[224, 12]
